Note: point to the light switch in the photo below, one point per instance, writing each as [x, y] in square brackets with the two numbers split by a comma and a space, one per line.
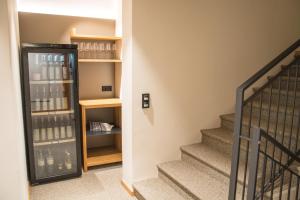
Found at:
[146, 100]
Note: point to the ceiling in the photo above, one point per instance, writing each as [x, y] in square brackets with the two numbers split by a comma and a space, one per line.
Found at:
[104, 9]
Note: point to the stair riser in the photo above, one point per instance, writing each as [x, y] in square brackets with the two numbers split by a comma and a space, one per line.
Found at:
[187, 195]
[229, 125]
[283, 85]
[284, 100]
[274, 116]
[217, 144]
[286, 129]
[198, 163]
[291, 100]
[292, 71]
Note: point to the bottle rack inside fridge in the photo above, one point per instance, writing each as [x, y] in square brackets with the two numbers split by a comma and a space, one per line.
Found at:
[51, 104]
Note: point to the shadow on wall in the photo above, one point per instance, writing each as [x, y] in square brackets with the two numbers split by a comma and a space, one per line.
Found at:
[149, 113]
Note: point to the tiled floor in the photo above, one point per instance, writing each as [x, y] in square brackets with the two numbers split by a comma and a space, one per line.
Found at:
[97, 184]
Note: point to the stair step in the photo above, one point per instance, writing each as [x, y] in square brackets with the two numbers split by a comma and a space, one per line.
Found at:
[228, 122]
[199, 183]
[155, 189]
[286, 78]
[273, 113]
[289, 110]
[276, 92]
[297, 54]
[292, 70]
[211, 157]
[219, 138]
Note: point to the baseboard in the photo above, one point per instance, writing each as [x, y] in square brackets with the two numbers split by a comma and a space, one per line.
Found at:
[128, 189]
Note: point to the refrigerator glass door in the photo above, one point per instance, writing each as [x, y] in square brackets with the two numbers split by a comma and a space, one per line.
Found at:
[52, 114]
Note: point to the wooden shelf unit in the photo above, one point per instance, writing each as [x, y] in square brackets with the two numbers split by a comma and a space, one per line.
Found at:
[110, 154]
[94, 38]
[101, 155]
[75, 36]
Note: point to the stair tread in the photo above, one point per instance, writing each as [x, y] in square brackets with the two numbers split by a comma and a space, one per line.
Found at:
[156, 189]
[228, 117]
[204, 183]
[274, 108]
[221, 134]
[263, 124]
[276, 91]
[213, 158]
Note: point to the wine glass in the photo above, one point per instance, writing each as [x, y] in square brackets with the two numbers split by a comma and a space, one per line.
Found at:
[101, 53]
[94, 50]
[108, 50]
[114, 50]
[87, 49]
[81, 49]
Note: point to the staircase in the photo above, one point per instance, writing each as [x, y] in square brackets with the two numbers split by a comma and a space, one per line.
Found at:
[204, 170]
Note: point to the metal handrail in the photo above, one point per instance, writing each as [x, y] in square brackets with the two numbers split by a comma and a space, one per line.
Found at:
[269, 66]
[256, 138]
[240, 94]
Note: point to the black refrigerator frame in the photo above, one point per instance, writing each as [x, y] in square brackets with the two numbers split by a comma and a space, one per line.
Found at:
[25, 86]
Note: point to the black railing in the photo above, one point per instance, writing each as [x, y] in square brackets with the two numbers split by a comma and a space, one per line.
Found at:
[274, 108]
[257, 152]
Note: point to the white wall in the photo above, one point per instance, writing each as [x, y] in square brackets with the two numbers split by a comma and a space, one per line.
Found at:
[126, 95]
[191, 56]
[105, 9]
[13, 182]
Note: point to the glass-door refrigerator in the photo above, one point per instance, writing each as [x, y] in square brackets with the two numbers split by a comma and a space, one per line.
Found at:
[51, 111]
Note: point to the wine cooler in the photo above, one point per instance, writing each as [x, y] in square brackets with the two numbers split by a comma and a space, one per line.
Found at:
[51, 111]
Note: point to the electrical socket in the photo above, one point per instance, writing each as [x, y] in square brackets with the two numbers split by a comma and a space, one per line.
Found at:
[106, 88]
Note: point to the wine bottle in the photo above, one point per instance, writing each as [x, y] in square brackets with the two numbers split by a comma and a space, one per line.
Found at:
[51, 99]
[58, 69]
[58, 99]
[49, 129]
[41, 172]
[44, 68]
[43, 130]
[50, 67]
[35, 71]
[62, 128]
[36, 131]
[50, 162]
[56, 129]
[65, 70]
[64, 98]
[69, 127]
[45, 99]
[68, 161]
[37, 100]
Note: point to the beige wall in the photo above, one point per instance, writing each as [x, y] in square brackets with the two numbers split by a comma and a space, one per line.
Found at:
[191, 55]
[13, 182]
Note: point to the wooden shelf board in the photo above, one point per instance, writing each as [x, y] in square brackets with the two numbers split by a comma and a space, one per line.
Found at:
[103, 155]
[61, 141]
[99, 61]
[100, 133]
[42, 113]
[94, 37]
[101, 103]
[51, 82]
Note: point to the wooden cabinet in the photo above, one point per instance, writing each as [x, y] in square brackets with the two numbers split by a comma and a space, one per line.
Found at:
[104, 154]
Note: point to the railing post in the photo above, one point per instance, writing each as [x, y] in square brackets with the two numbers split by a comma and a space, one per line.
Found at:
[253, 163]
[236, 144]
